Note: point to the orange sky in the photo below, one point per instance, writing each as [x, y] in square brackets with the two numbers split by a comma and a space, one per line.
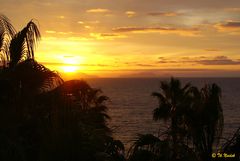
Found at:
[134, 38]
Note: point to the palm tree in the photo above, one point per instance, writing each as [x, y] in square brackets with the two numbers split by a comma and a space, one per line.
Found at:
[18, 62]
[173, 102]
[21, 79]
[205, 119]
[42, 117]
[76, 125]
[196, 121]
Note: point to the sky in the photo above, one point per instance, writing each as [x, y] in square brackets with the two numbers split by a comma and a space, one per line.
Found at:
[133, 38]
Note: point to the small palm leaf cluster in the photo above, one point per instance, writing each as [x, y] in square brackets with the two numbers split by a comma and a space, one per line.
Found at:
[232, 146]
[17, 47]
[195, 120]
[17, 58]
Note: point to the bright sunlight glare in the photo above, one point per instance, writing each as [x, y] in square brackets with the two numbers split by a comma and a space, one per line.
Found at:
[71, 63]
[69, 69]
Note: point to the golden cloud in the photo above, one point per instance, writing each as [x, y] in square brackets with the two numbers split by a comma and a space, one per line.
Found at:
[50, 32]
[232, 27]
[168, 14]
[163, 30]
[107, 36]
[98, 10]
[58, 32]
[61, 17]
[130, 13]
[218, 60]
[80, 22]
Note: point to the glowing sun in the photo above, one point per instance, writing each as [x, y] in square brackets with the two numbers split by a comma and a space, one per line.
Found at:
[71, 64]
[69, 69]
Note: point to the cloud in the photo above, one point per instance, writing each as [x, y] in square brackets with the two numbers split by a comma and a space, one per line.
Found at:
[98, 10]
[80, 64]
[80, 22]
[58, 32]
[144, 65]
[87, 27]
[88, 22]
[218, 60]
[168, 61]
[163, 30]
[167, 14]
[139, 64]
[164, 60]
[232, 27]
[231, 24]
[50, 32]
[96, 65]
[212, 49]
[130, 13]
[107, 36]
[61, 17]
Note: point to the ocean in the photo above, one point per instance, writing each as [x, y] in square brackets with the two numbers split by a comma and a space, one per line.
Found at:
[131, 104]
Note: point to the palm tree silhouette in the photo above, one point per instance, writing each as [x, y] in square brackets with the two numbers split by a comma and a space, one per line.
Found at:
[173, 101]
[18, 62]
[41, 116]
[21, 79]
[205, 119]
[195, 121]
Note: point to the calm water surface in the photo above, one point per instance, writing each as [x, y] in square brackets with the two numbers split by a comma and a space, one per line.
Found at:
[131, 104]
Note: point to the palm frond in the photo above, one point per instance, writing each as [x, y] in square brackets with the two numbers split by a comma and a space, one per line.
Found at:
[23, 44]
[17, 48]
[194, 92]
[141, 155]
[115, 148]
[32, 37]
[162, 112]
[207, 119]
[165, 88]
[160, 96]
[233, 144]
[175, 83]
[6, 26]
[102, 99]
[186, 87]
[36, 77]
[149, 148]
[7, 31]
[147, 139]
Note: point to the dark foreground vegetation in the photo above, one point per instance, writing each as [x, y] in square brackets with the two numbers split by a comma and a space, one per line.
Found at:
[43, 118]
[195, 120]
